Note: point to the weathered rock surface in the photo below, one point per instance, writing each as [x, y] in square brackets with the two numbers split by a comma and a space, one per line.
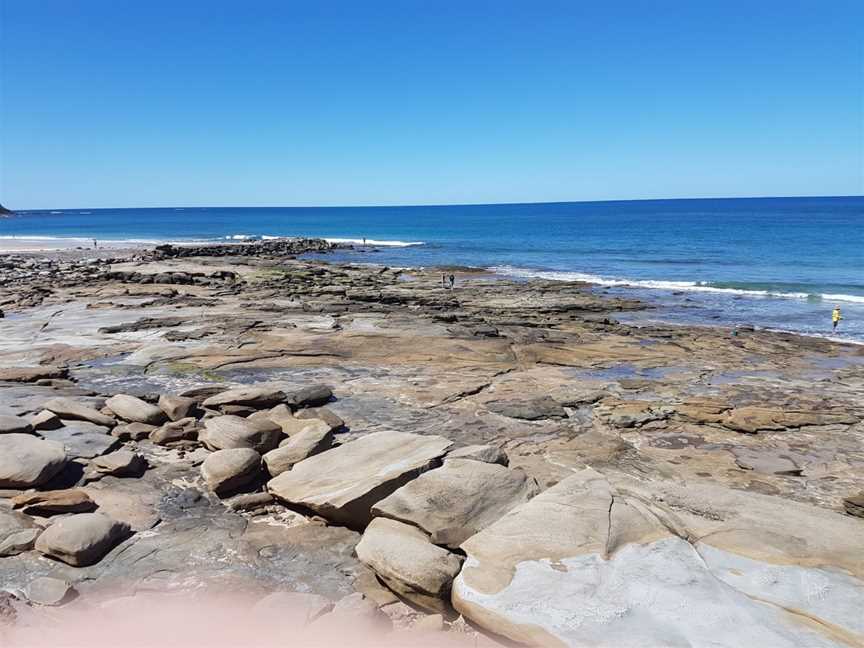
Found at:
[255, 397]
[70, 410]
[71, 500]
[224, 432]
[32, 374]
[300, 446]
[17, 533]
[404, 557]
[766, 462]
[46, 590]
[486, 453]
[455, 501]
[14, 424]
[27, 461]
[613, 560]
[294, 609]
[82, 539]
[227, 470]
[82, 439]
[531, 409]
[344, 483]
[135, 410]
[752, 420]
[854, 505]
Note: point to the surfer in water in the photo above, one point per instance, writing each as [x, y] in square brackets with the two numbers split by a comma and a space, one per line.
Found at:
[835, 318]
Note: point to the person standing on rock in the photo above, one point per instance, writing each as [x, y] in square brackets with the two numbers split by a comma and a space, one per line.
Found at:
[835, 318]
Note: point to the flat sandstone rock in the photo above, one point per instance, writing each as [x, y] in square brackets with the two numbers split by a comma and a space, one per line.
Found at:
[344, 483]
[610, 560]
[70, 410]
[455, 501]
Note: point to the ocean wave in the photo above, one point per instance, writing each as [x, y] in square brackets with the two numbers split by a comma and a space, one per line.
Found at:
[694, 286]
[353, 241]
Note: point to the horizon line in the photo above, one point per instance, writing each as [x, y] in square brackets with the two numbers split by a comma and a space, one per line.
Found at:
[417, 205]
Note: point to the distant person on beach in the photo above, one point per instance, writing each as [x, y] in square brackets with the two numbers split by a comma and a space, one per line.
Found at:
[94, 244]
[452, 281]
[444, 281]
[364, 240]
[835, 318]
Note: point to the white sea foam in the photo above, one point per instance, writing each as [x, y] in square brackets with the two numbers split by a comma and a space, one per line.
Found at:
[693, 286]
[360, 241]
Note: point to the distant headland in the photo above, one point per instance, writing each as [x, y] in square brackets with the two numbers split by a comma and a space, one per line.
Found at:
[4, 211]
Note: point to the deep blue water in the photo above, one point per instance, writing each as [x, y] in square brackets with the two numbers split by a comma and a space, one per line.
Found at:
[774, 262]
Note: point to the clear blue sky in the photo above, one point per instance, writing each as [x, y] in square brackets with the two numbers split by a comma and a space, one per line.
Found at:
[114, 103]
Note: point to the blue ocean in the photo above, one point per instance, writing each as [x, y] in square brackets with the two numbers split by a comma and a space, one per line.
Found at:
[777, 263]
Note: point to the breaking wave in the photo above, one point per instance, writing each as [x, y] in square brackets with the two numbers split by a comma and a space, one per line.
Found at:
[694, 286]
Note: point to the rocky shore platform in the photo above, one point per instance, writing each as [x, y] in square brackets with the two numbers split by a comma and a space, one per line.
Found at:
[349, 447]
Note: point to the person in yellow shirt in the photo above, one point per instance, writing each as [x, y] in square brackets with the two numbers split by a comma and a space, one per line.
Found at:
[835, 318]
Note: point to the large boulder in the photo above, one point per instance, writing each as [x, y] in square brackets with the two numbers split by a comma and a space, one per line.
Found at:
[409, 563]
[133, 431]
[176, 432]
[135, 410]
[27, 461]
[46, 420]
[328, 416]
[224, 432]
[255, 397]
[611, 560]
[290, 424]
[313, 396]
[122, 463]
[82, 539]
[177, 407]
[454, 502]
[70, 410]
[298, 447]
[227, 470]
[17, 533]
[12, 424]
[343, 484]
